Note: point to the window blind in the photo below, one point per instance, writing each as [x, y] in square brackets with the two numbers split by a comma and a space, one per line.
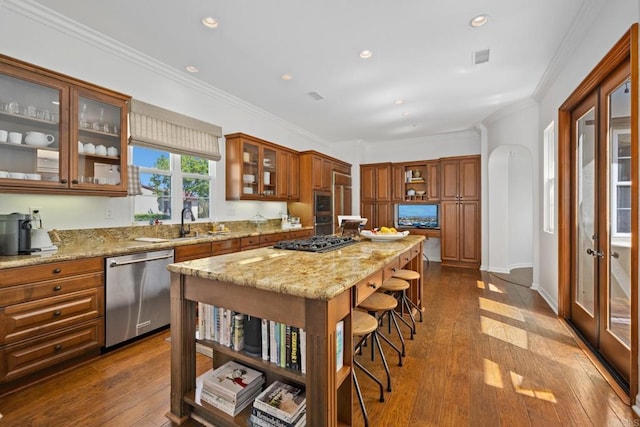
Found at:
[155, 127]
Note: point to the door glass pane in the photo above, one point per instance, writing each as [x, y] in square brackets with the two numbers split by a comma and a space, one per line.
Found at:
[619, 274]
[585, 133]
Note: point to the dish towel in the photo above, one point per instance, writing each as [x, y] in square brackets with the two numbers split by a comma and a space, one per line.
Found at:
[134, 188]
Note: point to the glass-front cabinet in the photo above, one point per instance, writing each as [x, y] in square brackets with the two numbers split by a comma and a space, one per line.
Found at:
[58, 134]
[252, 169]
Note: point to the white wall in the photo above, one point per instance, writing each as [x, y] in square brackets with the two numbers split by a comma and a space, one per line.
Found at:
[57, 44]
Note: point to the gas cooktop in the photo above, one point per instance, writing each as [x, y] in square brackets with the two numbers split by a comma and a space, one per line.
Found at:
[316, 243]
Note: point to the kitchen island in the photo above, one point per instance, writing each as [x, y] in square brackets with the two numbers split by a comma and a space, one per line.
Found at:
[312, 291]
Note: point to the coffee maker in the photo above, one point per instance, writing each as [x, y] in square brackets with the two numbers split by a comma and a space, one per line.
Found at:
[15, 234]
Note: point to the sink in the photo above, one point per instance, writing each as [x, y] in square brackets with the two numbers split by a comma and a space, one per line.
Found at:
[162, 240]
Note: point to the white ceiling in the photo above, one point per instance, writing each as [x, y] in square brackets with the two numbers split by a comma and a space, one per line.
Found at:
[422, 53]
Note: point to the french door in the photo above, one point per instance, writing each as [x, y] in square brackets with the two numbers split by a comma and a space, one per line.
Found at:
[601, 218]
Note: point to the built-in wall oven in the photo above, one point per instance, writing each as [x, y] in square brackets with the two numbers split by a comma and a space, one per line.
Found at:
[323, 217]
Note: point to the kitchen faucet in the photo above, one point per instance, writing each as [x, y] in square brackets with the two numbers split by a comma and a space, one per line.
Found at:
[184, 232]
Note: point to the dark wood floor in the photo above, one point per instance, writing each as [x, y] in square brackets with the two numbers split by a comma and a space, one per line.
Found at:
[489, 353]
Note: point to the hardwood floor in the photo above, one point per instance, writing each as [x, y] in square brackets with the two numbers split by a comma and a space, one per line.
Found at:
[489, 353]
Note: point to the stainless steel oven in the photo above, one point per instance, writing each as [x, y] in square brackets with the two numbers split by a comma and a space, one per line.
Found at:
[323, 217]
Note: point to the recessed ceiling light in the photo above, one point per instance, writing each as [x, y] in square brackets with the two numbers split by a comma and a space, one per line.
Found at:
[479, 21]
[365, 54]
[286, 77]
[399, 101]
[209, 22]
[191, 68]
[406, 114]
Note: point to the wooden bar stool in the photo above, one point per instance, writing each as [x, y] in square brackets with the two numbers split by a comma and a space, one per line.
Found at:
[382, 303]
[409, 275]
[363, 325]
[398, 288]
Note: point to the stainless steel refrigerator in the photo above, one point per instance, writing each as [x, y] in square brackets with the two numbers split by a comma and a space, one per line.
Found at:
[342, 204]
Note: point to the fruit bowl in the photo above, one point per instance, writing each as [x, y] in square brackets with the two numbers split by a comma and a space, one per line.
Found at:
[383, 237]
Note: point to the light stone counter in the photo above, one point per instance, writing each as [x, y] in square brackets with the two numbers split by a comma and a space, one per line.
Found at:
[304, 274]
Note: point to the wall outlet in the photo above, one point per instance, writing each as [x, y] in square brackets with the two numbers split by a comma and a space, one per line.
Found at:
[108, 214]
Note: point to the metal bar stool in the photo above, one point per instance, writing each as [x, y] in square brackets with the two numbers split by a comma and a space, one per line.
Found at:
[363, 325]
[409, 275]
[382, 303]
[398, 288]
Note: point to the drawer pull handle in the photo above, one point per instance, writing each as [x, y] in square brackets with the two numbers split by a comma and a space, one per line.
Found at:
[394, 269]
[56, 271]
[57, 313]
[372, 285]
[58, 347]
[57, 288]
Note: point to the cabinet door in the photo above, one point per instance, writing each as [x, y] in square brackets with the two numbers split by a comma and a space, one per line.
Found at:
[469, 240]
[368, 210]
[449, 231]
[268, 172]
[384, 217]
[98, 149]
[383, 183]
[283, 174]
[433, 181]
[294, 177]
[33, 130]
[449, 178]
[316, 169]
[469, 179]
[250, 170]
[327, 175]
[398, 178]
[367, 183]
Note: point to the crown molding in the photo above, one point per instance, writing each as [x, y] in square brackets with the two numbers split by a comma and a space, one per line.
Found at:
[510, 109]
[50, 18]
[570, 42]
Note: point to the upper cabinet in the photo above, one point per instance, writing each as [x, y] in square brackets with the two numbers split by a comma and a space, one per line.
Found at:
[375, 182]
[460, 178]
[259, 170]
[416, 182]
[59, 135]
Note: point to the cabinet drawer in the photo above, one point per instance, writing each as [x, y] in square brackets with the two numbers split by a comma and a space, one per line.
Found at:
[249, 242]
[405, 257]
[185, 253]
[225, 246]
[54, 270]
[270, 239]
[50, 288]
[366, 287]
[23, 321]
[390, 268]
[300, 234]
[415, 250]
[24, 358]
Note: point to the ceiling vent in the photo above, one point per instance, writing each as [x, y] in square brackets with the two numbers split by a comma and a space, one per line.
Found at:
[480, 56]
[316, 96]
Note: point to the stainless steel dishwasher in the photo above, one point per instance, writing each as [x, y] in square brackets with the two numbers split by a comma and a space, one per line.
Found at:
[137, 295]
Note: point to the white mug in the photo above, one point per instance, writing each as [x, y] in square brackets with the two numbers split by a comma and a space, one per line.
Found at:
[101, 150]
[3, 135]
[4, 174]
[112, 151]
[80, 147]
[15, 137]
[89, 148]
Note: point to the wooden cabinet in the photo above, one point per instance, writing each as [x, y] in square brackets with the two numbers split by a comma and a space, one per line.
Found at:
[460, 178]
[460, 211]
[375, 182]
[258, 169]
[206, 249]
[378, 214]
[65, 136]
[51, 315]
[416, 181]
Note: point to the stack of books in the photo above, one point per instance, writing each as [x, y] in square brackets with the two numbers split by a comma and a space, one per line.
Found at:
[280, 405]
[231, 387]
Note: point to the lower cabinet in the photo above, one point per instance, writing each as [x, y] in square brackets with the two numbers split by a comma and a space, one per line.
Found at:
[50, 315]
[460, 233]
[378, 214]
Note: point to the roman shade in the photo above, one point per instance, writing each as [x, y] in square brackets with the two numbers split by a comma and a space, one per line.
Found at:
[155, 127]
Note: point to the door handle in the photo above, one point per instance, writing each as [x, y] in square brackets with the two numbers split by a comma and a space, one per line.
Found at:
[615, 255]
[595, 253]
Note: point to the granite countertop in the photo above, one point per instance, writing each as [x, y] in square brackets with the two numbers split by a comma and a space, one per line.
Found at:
[91, 243]
[305, 274]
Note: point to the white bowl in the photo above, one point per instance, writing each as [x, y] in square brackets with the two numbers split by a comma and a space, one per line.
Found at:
[34, 176]
[16, 175]
[420, 193]
[386, 237]
[248, 179]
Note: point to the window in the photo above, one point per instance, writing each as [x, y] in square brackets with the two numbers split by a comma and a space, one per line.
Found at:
[621, 183]
[171, 182]
[549, 179]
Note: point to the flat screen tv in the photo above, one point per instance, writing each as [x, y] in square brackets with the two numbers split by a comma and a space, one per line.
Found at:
[414, 215]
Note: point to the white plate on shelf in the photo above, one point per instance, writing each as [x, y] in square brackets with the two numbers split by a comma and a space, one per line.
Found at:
[386, 237]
